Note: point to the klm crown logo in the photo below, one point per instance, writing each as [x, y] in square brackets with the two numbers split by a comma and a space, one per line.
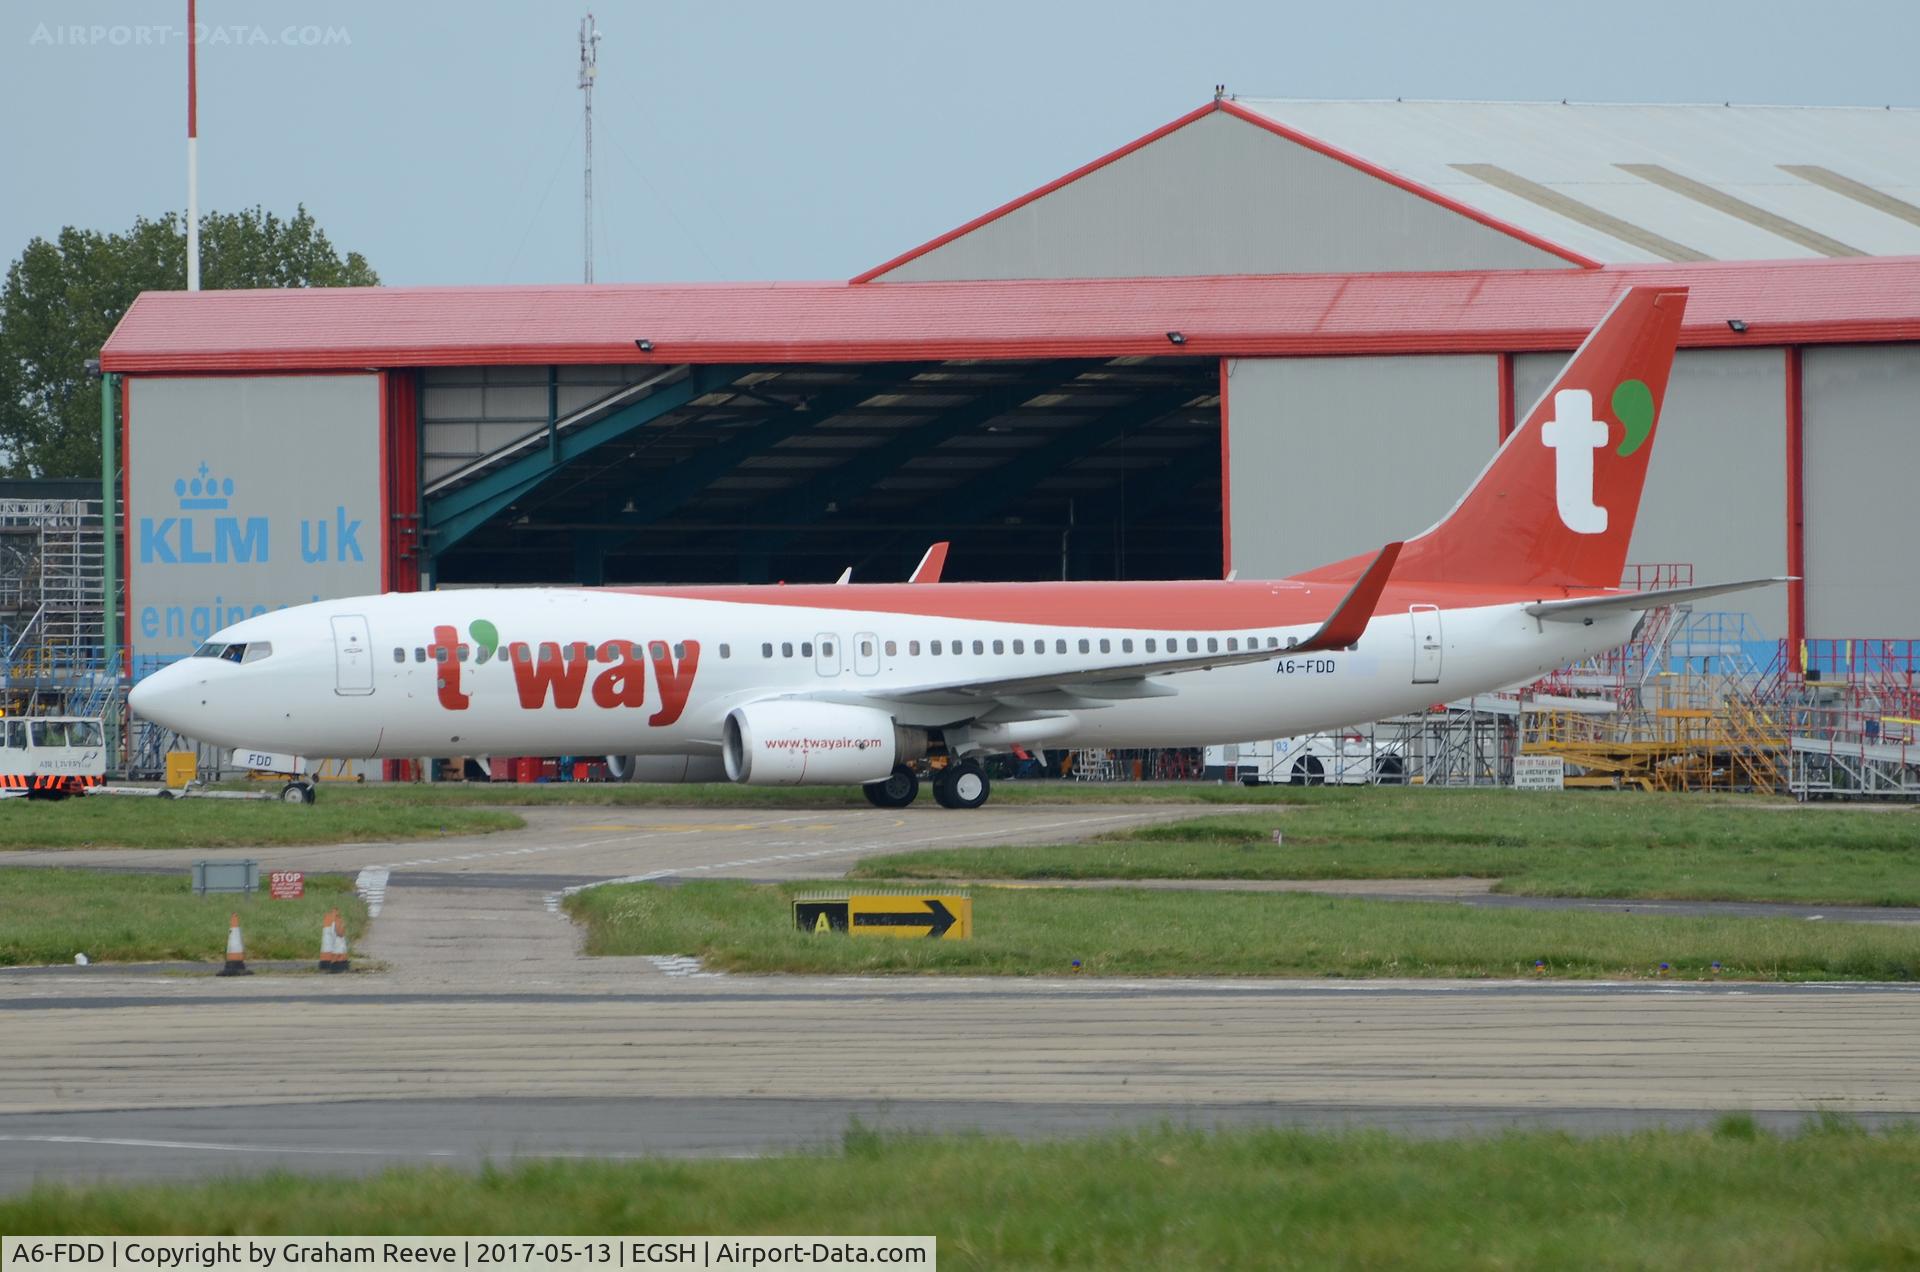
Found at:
[204, 492]
[223, 539]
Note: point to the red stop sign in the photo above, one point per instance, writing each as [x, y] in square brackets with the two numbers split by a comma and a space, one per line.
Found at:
[286, 885]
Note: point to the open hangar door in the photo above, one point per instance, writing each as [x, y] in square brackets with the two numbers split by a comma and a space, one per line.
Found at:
[1079, 468]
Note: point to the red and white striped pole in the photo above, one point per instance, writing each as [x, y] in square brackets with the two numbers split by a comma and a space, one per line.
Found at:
[193, 153]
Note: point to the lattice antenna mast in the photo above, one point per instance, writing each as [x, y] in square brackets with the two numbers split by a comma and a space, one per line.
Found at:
[589, 67]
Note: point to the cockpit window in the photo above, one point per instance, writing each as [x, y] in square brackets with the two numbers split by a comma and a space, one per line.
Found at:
[250, 651]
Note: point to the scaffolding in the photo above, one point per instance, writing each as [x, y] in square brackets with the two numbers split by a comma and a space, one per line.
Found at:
[52, 586]
[1851, 710]
[1692, 709]
[1465, 743]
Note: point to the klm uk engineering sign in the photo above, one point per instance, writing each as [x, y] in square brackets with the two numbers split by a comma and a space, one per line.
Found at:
[247, 495]
[237, 540]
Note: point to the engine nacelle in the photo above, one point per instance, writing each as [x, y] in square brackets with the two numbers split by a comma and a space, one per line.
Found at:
[814, 744]
[666, 768]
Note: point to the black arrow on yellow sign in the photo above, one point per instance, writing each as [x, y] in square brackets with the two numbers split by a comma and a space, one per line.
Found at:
[937, 919]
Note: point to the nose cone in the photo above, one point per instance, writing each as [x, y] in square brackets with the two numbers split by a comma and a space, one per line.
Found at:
[164, 697]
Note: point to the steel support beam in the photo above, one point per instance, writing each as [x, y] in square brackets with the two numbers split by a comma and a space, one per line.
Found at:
[109, 541]
[808, 501]
[1153, 490]
[674, 488]
[988, 493]
[458, 513]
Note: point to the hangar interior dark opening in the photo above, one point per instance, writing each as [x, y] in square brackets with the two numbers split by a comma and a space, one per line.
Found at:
[1035, 470]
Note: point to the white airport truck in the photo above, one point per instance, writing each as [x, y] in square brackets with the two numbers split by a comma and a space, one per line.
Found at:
[51, 757]
[1314, 759]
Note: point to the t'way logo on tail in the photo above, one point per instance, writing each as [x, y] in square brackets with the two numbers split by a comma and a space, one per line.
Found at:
[1574, 435]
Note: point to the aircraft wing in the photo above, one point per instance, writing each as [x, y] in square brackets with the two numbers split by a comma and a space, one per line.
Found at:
[1097, 686]
[1580, 608]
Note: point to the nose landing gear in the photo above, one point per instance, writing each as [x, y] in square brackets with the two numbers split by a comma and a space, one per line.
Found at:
[297, 792]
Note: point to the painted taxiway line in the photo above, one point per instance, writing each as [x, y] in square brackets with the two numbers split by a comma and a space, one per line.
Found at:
[211, 1147]
[554, 899]
[643, 835]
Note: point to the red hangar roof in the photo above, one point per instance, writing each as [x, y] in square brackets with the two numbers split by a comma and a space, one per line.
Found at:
[1779, 302]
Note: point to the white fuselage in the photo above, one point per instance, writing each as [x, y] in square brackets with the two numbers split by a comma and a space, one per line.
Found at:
[364, 677]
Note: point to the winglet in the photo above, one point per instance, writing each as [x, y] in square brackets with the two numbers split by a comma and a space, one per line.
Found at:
[1349, 618]
[846, 576]
[928, 571]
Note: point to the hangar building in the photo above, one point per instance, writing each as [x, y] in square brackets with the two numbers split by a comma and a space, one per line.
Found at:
[1265, 336]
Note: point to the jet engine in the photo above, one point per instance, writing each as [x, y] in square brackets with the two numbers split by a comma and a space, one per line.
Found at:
[786, 743]
[666, 768]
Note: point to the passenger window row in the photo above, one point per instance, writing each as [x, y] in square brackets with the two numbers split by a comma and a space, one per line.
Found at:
[611, 651]
[615, 650]
[1085, 645]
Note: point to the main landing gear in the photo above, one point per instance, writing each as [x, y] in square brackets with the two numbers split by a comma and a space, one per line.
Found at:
[959, 785]
[962, 785]
[901, 788]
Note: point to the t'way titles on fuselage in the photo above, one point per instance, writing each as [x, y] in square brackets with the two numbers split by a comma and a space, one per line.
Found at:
[559, 676]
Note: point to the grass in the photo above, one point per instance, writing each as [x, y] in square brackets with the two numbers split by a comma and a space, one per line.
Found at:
[742, 927]
[1578, 844]
[1831, 1197]
[114, 821]
[48, 916]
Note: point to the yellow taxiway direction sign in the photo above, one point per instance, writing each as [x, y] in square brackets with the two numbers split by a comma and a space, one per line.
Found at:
[942, 916]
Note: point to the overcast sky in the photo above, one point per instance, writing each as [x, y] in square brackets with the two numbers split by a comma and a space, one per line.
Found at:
[782, 140]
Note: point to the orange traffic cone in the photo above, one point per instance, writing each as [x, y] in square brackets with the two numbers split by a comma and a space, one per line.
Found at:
[340, 962]
[326, 942]
[236, 951]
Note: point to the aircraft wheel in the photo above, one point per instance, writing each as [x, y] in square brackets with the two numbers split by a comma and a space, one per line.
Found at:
[900, 789]
[296, 793]
[964, 786]
[1307, 772]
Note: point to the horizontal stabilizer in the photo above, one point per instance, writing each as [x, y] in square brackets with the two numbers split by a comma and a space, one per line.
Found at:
[1580, 608]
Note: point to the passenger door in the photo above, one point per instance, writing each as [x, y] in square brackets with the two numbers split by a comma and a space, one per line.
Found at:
[352, 656]
[1426, 644]
[866, 654]
[826, 654]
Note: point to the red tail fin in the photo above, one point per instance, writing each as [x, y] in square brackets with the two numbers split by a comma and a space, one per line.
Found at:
[1556, 506]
